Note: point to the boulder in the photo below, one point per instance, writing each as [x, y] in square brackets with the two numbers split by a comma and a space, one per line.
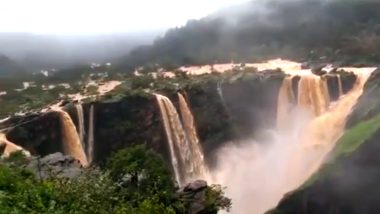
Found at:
[195, 186]
[195, 195]
[55, 164]
[318, 70]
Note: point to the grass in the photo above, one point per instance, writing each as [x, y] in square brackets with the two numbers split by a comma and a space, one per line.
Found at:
[348, 143]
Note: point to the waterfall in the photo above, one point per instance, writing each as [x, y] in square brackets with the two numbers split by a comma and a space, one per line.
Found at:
[81, 133]
[258, 175]
[185, 152]
[220, 93]
[197, 164]
[285, 103]
[90, 140]
[313, 94]
[71, 142]
[320, 135]
[340, 86]
[10, 147]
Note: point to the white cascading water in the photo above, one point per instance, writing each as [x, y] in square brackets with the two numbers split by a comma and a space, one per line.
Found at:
[185, 151]
[71, 142]
[257, 175]
[81, 133]
[220, 93]
[90, 139]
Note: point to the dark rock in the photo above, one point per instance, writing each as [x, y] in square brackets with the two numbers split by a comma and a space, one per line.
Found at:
[55, 164]
[39, 134]
[195, 195]
[334, 70]
[305, 65]
[195, 186]
[318, 71]
[64, 102]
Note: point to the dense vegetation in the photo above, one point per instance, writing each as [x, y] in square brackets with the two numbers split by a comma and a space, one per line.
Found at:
[135, 180]
[345, 31]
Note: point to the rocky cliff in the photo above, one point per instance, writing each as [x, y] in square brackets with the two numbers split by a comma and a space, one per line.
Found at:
[226, 107]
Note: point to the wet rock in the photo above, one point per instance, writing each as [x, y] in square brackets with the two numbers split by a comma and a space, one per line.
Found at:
[64, 102]
[55, 164]
[305, 65]
[195, 194]
[199, 198]
[318, 70]
[195, 186]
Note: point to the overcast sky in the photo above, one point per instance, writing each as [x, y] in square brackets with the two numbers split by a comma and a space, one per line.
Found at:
[101, 16]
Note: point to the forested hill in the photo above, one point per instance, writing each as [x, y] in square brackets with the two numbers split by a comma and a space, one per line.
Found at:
[347, 31]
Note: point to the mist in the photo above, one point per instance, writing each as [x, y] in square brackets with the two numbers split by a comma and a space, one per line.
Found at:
[259, 174]
[34, 51]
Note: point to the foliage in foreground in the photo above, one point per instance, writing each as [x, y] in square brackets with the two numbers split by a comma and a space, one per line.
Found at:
[134, 181]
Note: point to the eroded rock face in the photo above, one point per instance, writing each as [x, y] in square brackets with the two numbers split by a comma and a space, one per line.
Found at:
[55, 164]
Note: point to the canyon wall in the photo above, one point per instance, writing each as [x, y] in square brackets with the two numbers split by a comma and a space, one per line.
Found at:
[237, 107]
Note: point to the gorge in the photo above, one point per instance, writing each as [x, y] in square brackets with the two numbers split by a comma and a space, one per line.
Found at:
[262, 133]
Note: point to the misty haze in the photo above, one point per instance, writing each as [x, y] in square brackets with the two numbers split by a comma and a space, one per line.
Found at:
[196, 107]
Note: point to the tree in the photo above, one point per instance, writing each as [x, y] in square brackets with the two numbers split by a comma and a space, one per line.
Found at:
[141, 173]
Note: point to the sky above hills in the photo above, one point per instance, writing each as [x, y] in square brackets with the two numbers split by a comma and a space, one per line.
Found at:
[73, 17]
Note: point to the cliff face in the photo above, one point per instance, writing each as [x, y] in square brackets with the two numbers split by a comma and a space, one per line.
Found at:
[349, 181]
[39, 134]
[224, 109]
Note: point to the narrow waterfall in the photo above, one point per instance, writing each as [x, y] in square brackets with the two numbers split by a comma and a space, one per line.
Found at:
[285, 103]
[81, 133]
[90, 140]
[257, 175]
[185, 152]
[71, 141]
[10, 147]
[340, 86]
[220, 93]
[197, 164]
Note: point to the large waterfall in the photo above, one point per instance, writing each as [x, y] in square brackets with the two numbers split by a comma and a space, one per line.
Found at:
[71, 141]
[185, 151]
[90, 140]
[81, 133]
[258, 175]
